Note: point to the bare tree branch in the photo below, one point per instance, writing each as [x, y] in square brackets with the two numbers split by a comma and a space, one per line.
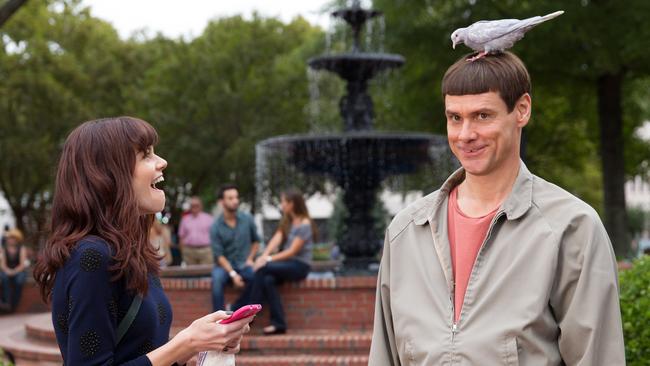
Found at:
[8, 9]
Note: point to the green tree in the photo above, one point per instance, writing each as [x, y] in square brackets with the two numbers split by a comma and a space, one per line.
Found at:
[211, 98]
[8, 9]
[214, 97]
[587, 68]
[59, 67]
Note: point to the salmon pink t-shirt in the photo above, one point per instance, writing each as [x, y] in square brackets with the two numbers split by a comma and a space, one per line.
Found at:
[466, 234]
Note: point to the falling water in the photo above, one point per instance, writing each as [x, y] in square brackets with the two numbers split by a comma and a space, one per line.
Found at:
[381, 33]
[313, 77]
[368, 44]
[374, 36]
[328, 42]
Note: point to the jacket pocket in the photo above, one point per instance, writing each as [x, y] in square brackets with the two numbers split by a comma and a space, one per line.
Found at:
[510, 351]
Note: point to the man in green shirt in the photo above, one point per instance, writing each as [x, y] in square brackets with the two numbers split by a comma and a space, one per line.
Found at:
[235, 242]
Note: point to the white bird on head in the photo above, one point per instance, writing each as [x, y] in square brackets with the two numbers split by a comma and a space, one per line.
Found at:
[487, 36]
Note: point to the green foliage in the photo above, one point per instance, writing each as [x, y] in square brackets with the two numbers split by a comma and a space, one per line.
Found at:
[322, 251]
[3, 360]
[58, 68]
[635, 309]
[211, 98]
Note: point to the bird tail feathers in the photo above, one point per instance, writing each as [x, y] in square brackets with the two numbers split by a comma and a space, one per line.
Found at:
[529, 23]
[552, 15]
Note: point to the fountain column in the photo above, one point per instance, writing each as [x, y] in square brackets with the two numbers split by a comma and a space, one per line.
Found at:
[356, 107]
[361, 241]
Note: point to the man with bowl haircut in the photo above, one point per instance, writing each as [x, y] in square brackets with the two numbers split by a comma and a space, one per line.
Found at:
[498, 266]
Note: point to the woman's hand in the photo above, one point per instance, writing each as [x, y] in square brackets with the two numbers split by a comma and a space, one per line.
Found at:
[234, 346]
[238, 281]
[260, 262]
[205, 334]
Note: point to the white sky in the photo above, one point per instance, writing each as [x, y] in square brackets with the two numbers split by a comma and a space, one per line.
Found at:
[189, 17]
[644, 131]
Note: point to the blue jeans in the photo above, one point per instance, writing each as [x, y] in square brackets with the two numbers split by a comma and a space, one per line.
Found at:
[12, 288]
[219, 280]
[265, 290]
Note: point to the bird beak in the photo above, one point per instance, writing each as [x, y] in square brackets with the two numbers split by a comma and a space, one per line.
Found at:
[453, 45]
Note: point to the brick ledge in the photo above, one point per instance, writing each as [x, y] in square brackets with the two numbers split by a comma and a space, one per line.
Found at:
[205, 283]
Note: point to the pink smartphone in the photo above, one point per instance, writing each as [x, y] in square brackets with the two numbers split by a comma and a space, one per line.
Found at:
[241, 313]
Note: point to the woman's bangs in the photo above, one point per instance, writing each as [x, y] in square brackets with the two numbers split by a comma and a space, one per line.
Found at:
[141, 134]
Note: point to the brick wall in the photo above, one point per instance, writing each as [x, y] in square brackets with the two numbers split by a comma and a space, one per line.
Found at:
[30, 301]
[341, 303]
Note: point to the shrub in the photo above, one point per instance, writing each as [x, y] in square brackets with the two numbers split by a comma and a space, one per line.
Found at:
[635, 309]
[3, 359]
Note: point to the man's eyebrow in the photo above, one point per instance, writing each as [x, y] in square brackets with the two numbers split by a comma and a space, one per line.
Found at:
[485, 109]
[451, 112]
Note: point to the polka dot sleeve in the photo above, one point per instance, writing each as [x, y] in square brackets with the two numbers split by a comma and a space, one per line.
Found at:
[92, 318]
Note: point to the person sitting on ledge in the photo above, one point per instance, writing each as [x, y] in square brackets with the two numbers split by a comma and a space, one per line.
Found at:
[161, 238]
[296, 232]
[13, 265]
[235, 243]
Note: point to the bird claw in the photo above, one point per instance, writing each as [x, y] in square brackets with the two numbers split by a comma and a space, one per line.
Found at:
[477, 56]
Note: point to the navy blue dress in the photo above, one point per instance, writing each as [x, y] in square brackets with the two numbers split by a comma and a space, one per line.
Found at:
[87, 308]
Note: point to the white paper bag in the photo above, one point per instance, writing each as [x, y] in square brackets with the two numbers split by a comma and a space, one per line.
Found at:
[214, 358]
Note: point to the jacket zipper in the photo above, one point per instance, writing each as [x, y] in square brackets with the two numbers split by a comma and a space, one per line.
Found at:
[454, 323]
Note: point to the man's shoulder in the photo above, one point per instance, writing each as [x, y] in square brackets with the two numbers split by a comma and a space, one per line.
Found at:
[578, 225]
[205, 216]
[241, 215]
[185, 218]
[218, 219]
[556, 203]
[418, 210]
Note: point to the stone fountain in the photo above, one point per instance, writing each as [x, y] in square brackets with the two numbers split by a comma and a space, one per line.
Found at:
[359, 159]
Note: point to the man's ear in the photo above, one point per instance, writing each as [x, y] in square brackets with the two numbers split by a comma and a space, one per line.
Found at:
[523, 108]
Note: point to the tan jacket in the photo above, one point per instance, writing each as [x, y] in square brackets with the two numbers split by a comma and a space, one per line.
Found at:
[543, 289]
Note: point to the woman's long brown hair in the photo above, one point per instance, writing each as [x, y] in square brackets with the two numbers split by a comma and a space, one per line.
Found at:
[94, 195]
[299, 210]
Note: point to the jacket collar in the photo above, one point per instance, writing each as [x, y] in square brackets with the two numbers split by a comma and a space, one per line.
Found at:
[515, 205]
[520, 198]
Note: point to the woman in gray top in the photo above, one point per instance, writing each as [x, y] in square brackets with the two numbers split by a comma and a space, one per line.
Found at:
[295, 239]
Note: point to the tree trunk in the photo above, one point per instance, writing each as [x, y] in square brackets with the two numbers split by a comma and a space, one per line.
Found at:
[19, 217]
[610, 116]
[8, 9]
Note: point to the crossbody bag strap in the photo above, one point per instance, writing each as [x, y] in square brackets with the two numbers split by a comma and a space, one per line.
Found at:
[128, 318]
